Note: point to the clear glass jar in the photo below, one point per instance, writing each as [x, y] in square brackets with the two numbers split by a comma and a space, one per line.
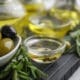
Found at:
[10, 12]
[64, 9]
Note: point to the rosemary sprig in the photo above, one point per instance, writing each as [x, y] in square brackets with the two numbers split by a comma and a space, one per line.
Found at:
[21, 68]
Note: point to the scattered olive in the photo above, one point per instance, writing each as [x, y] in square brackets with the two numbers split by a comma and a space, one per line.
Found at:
[0, 35]
[6, 45]
[8, 31]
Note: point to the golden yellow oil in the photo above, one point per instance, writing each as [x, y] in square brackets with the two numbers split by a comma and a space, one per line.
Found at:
[45, 59]
[19, 25]
[31, 9]
[64, 14]
[32, 6]
[34, 9]
[8, 21]
[50, 30]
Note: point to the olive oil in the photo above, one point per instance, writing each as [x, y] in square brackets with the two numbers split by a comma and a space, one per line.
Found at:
[49, 26]
[65, 14]
[11, 11]
[44, 29]
[65, 9]
[45, 59]
[42, 51]
[49, 32]
[33, 7]
[8, 21]
[19, 25]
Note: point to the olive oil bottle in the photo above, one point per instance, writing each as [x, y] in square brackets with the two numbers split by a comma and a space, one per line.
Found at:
[62, 11]
[33, 6]
[11, 11]
[65, 9]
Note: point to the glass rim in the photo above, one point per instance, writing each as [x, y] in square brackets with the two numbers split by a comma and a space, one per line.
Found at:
[63, 25]
[61, 47]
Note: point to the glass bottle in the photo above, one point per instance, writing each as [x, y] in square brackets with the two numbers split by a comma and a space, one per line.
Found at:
[10, 12]
[64, 10]
[33, 6]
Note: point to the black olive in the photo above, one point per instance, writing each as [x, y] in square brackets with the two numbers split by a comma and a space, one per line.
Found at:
[8, 32]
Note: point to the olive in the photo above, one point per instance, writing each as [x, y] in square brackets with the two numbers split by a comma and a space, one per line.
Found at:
[0, 35]
[8, 31]
[6, 45]
[68, 44]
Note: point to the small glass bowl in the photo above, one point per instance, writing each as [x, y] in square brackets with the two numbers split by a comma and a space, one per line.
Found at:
[49, 26]
[44, 49]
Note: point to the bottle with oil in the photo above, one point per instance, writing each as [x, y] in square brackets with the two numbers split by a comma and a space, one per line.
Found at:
[64, 9]
[11, 11]
[33, 6]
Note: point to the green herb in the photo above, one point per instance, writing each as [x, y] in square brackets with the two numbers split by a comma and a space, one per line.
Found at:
[78, 44]
[21, 68]
[76, 36]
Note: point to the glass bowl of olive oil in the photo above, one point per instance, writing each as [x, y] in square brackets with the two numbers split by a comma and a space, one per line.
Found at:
[49, 26]
[44, 49]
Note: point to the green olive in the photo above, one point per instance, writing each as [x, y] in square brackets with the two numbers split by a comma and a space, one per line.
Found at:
[0, 36]
[6, 45]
